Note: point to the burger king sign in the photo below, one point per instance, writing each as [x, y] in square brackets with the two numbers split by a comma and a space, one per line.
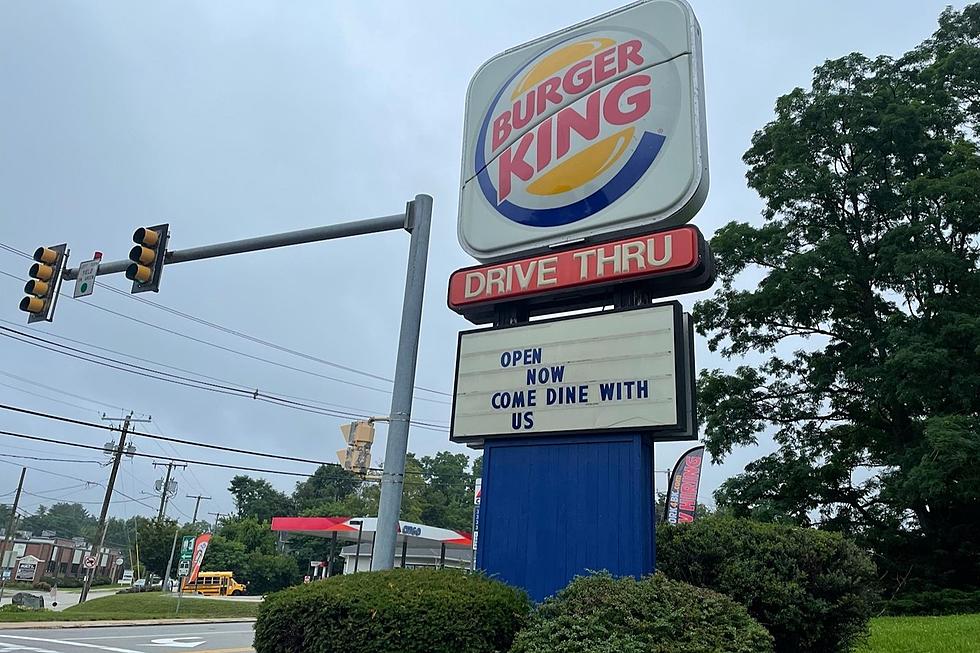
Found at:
[588, 133]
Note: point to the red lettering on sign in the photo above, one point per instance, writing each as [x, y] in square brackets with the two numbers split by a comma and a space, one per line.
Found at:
[630, 258]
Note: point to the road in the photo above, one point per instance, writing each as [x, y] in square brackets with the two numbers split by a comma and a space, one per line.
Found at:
[196, 638]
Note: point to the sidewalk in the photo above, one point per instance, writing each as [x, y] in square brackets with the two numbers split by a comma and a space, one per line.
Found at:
[28, 625]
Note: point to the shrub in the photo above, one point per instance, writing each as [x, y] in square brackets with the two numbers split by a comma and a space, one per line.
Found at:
[405, 610]
[940, 602]
[41, 586]
[812, 590]
[602, 614]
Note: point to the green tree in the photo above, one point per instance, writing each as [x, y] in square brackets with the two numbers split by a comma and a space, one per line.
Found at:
[66, 519]
[255, 497]
[156, 540]
[865, 309]
[328, 483]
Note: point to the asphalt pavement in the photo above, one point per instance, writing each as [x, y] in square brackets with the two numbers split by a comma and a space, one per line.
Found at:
[198, 638]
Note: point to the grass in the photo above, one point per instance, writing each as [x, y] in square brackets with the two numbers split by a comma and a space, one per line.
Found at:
[150, 605]
[951, 634]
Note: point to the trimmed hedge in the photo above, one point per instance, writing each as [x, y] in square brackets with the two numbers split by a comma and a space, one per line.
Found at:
[812, 590]
[939, 602]
[404, 610]
[602, 614]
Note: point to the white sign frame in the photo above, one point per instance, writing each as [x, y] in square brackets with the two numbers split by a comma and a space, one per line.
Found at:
[665, 191]
[684, 426]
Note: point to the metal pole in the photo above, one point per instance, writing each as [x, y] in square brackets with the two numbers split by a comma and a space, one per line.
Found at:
[442, 556]
[333, 553]
[357, 551]
[404, 551]
[9, 535]
[316, 234]
[393, 476]
[165, 585]
[103, 524]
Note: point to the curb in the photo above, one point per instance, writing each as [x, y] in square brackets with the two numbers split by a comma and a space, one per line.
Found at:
[51, 625]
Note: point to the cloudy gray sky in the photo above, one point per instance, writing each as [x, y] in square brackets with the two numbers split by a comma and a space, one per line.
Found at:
[234, 118]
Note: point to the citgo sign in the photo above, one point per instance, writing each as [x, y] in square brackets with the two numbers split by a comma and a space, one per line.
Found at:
[592, 131]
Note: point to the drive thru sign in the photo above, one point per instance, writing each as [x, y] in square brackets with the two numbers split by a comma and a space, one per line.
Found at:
[590, 132]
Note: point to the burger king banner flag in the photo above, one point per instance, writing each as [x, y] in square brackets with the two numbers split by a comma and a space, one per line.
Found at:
[594, 131]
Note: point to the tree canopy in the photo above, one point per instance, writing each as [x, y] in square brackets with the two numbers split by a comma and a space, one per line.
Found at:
[859, 344]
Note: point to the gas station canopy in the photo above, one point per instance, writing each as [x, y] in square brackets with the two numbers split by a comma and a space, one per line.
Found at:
[363, 529]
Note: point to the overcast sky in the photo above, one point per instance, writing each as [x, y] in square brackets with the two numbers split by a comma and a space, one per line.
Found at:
[236, 118]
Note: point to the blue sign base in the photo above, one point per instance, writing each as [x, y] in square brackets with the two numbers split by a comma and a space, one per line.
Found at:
[553, 508]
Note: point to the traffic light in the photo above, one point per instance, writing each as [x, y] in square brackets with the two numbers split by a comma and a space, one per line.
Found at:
[147, 257]
[359, 437]
[43, 288]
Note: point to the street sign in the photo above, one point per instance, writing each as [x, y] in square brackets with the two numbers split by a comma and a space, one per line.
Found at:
[629, 371]
[187, 547]
[85, 282]
[89, 562]
[184, 568]
[591, 132]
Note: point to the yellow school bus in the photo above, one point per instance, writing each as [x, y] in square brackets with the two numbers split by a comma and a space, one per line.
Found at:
[218, 583]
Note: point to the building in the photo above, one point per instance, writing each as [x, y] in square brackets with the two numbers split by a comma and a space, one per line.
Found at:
[415, 557]
[57, 557]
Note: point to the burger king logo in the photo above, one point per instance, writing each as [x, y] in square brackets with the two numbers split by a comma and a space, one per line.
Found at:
[577, 127]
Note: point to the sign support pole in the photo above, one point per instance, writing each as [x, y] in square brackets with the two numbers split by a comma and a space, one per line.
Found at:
[393, 477]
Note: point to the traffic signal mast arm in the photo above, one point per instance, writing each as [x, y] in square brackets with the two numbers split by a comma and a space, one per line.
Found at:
[416, 220]
[316, 234]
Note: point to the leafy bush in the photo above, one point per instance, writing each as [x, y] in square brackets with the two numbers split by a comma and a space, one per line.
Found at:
[405, 610]
[269, 573]
[70, 581]
[812, 590]
[934, 603]
[602, 614]
[41, 586]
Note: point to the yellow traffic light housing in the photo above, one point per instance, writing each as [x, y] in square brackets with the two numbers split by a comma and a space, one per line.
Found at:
[148, 257]
[45, 284]
[359, 436]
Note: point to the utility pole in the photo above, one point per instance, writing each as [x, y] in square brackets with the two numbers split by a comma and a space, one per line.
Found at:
[116, 458]
[217, 516]
[9, 535]
[165, 490]
[197, 504]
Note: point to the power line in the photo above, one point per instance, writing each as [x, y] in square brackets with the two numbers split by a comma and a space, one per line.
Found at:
[75, 478]
[50, 460]
[237, 333]
[35, 393]
[65, 392]
[164, 438]
[206, 463]
[168, 377]
[241, 386]
[260, 341]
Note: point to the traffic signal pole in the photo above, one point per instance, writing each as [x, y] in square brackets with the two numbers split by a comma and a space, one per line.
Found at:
[416, 220]
[396, 448]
